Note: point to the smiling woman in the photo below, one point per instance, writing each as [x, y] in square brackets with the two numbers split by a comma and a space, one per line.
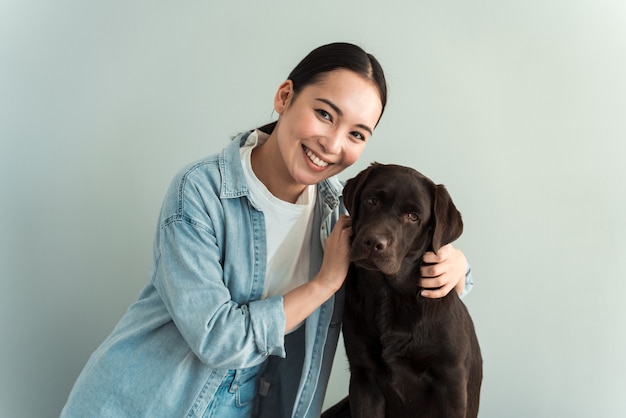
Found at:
[251, 243]
[321, 131]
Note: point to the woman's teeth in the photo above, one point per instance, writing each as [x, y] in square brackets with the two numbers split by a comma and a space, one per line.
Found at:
[315, 160]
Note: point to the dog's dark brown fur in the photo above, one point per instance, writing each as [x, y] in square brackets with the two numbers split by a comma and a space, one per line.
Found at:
[409, 356]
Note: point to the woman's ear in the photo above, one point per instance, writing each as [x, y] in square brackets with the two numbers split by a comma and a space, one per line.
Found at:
[283, 97]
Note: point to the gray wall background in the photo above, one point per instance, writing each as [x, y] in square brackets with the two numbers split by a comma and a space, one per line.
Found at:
[518, 107]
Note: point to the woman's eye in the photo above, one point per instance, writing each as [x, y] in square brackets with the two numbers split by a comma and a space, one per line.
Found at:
[324, 114]
[413, 217]
[358, 135]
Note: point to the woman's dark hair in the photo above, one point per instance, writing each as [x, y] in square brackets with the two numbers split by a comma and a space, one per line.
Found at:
[331, 57]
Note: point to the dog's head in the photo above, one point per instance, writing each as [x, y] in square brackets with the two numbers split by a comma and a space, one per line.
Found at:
[397, 215]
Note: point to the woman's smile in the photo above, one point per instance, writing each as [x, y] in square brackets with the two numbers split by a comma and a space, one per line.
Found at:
[317, 161]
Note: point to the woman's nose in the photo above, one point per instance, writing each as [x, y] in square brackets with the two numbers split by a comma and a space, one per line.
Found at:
[330, 142]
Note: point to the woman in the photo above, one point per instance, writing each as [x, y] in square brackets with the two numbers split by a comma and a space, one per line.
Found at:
[242, 313]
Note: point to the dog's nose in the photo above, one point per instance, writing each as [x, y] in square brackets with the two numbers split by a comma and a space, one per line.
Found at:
[375, 243]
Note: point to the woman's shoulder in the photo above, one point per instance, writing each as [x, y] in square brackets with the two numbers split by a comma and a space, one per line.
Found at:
[212, 172]
[202, 172]
[198, 187]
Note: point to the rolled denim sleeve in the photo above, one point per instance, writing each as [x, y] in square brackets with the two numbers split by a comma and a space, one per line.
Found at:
[209, 272]
[269, 335]
[190, 280]
[469, 282]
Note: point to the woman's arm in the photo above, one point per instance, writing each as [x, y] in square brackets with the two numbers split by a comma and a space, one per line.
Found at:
[300, 302]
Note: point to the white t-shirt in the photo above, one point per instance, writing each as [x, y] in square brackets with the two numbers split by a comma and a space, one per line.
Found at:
[288, 228]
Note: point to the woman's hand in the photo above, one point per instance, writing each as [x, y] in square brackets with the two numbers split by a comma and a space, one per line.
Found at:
[337, 254]
[443, 272]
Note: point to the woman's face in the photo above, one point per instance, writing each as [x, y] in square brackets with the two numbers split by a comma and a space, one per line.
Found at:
[323, 130]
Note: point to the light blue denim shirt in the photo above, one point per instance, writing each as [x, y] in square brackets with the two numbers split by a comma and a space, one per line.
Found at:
[201, 316]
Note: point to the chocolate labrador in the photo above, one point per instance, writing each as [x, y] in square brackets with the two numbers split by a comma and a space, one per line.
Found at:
[409, 356]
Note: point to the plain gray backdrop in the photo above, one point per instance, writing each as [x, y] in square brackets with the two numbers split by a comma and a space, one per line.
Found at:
[519, 107]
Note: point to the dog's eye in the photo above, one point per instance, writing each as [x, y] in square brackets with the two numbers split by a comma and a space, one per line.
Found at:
[371, 201]
[413, 217]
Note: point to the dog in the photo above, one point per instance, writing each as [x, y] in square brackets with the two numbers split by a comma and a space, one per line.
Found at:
[409, 356]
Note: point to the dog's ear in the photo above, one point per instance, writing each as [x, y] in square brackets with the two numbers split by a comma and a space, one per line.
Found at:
[352, 190]
[448, 225]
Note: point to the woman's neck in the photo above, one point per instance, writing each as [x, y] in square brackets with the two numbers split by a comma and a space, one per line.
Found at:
[268, 166]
